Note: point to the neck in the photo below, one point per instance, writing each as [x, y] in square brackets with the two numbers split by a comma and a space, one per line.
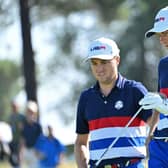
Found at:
[107, 87]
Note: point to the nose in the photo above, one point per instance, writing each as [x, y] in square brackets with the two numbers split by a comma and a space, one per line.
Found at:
[99, 68]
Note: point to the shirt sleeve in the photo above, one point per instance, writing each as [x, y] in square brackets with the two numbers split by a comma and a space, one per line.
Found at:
[81, 121]
[141, 91]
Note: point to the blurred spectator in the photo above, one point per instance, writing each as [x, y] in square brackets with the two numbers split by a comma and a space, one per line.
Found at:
[16, 121]
[5, 139]
[49, 150]
[31, 131]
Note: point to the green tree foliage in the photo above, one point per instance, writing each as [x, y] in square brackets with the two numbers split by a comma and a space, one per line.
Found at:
[74, 23]
[9, 85]
[125, 21]
[7, 10]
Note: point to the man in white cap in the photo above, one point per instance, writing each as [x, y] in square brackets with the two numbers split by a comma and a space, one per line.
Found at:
[30, 132]
[158, 146]
[105, 109]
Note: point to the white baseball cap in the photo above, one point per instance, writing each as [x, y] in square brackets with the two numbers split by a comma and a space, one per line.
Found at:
[103, 48]
[160, 23]
[32, 105]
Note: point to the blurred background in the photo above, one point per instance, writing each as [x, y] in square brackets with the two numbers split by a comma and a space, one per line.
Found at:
[43, 44]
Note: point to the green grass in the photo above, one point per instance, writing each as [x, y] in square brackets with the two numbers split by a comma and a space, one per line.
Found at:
[69, 164]
[5, 164]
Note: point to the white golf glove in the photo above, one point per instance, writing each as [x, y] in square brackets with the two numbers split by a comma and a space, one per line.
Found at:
[154, 101]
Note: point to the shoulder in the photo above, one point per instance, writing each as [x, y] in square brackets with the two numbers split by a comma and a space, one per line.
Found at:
[128, 84]
[163, 64]
[87, 92]
[58, 142]
[135, 85]
[163, 61]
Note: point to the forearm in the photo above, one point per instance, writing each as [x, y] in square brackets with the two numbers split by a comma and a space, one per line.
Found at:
[81, 155]
[153, 123]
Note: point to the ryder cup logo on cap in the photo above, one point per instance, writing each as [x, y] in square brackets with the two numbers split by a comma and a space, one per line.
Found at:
[103, 48]
[160, 23]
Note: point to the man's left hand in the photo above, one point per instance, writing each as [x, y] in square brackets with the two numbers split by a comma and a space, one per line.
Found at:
[154, 101]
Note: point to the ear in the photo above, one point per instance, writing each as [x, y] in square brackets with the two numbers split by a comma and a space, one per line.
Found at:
[118, 59]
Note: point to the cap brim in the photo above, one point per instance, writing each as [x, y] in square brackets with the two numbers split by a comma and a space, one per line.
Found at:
[103, 57]
[149, 34]
[155, 30]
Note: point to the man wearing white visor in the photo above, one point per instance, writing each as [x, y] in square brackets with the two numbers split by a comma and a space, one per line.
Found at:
[158, 146]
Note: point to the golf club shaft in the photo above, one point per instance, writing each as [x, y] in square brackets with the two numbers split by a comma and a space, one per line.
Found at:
[116, 139]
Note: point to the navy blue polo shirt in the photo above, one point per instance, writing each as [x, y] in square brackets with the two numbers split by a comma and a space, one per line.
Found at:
[162, 128]
[104, 118]
[30, 133]
[93, 105]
